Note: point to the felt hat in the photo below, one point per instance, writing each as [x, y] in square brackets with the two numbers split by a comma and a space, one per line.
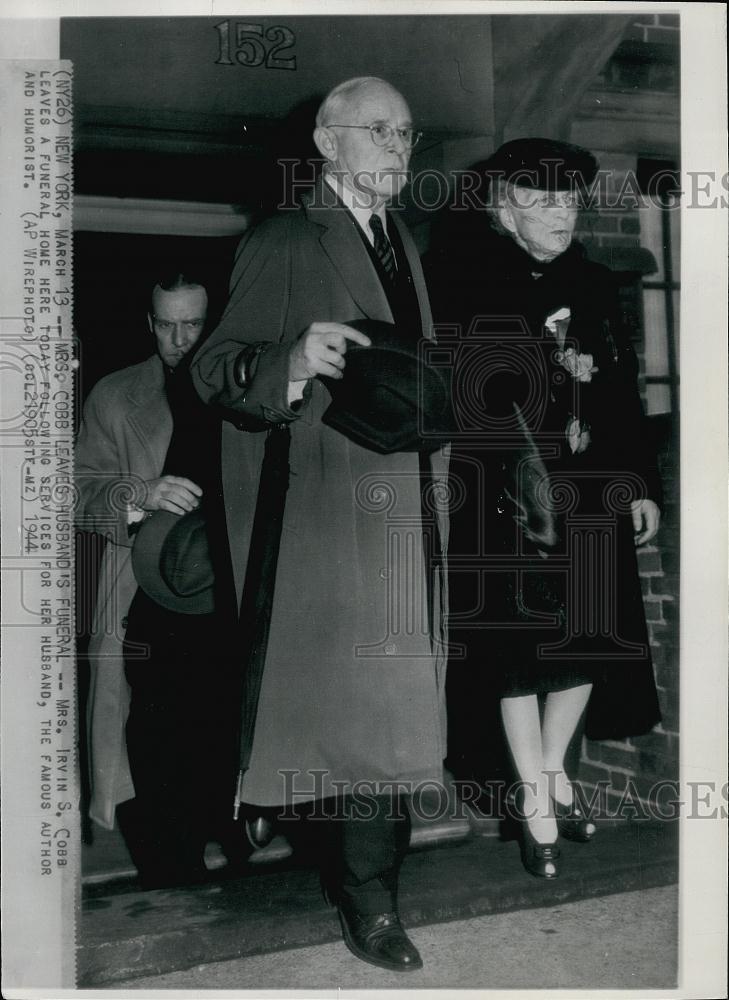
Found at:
[543, 164]
[172, 564]
[390, 398]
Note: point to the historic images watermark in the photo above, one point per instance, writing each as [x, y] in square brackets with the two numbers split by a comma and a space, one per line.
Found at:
[317, 795]
[584, 560]
[432, 190]
[573, 545]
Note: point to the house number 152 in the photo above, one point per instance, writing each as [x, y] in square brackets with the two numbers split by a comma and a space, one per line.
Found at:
[251, 45]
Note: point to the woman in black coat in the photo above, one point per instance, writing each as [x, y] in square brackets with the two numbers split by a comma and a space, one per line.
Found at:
[552, 487]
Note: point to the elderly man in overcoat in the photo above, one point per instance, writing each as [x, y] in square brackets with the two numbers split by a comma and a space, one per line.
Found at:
[352, 690]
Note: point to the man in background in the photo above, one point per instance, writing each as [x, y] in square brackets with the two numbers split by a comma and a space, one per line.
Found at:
[138, 763]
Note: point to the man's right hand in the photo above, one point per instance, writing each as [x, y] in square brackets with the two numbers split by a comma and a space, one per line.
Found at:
[173, 493]
[320, 350]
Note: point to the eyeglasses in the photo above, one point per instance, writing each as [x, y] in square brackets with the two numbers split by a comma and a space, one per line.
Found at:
[381, 134]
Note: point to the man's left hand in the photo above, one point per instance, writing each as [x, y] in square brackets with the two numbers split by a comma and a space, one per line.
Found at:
[646, 520]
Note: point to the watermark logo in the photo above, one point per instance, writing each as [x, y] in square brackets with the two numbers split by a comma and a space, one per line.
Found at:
[432, 190]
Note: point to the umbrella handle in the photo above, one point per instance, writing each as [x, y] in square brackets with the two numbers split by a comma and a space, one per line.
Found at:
[238, 794]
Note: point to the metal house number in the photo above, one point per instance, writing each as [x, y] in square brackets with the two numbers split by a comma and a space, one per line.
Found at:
[252, 45]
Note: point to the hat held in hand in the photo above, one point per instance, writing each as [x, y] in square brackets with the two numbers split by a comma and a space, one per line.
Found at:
[172, 564]
[389, 399]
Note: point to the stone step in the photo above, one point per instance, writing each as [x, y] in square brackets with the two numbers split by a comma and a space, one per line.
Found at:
[438, 817]
[126, 933]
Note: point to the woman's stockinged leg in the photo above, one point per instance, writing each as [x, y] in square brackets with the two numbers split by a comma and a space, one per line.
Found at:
[561, 715]
[520, 716]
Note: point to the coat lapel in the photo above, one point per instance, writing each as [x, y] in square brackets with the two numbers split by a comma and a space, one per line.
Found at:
[149, 414]
[416, 271]
[343, 246]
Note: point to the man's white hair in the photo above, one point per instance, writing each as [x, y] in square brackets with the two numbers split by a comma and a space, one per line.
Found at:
[338, 101]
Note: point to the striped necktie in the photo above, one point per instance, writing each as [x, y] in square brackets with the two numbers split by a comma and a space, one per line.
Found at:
[383, 247]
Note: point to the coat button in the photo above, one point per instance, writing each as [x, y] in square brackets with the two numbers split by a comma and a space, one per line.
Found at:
[125, 622]
[390, 649]
[384, 573]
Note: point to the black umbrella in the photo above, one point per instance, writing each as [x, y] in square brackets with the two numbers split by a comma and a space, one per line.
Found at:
[259, 586]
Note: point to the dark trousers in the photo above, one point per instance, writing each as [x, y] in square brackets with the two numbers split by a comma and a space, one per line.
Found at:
[372, 852]
[181, 742]
[182, 745]
[360, 858]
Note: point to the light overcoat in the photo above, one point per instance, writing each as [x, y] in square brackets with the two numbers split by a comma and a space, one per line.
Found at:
[122, 443]
[353, 683]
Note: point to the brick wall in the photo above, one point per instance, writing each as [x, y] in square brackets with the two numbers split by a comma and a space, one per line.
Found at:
[637, 764]
[644, 761]
[647, 57]
[660, 28]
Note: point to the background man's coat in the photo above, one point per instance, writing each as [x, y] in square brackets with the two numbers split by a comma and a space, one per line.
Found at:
[122, 443]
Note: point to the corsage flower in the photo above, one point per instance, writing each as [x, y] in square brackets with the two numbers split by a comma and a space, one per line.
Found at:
[578, 435]
[579, 366]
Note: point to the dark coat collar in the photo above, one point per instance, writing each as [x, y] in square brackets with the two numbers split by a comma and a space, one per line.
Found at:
[507, 256]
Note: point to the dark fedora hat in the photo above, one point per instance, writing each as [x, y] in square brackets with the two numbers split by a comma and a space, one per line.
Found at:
[543, 164]
[172, 564]
[390, 398]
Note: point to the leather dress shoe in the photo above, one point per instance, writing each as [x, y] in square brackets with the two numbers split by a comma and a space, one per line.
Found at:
[572, 823]
[541, 860]
[260, 831]
[379, 939]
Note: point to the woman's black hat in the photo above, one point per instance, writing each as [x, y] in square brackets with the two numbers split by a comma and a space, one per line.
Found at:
[543, 165]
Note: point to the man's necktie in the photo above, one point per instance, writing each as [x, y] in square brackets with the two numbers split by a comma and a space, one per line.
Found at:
[383, 247]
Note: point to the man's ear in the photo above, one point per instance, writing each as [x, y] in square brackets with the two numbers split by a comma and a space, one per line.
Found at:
[326, 143]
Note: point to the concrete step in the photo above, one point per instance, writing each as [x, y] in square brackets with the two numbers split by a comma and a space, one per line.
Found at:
[438, 817]
[126, 933]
